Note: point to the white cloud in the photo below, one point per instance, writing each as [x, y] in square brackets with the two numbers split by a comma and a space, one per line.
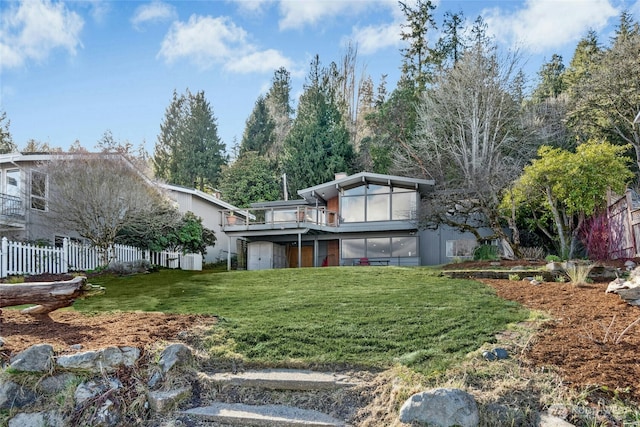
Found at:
[34, 28]
[371, 39]
[297, 14]
[253, 6]
[153, 12]
[207, 41]
[542, 24]
[264, 61]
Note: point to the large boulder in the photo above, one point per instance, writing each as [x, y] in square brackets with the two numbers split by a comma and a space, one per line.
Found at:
[441, 407]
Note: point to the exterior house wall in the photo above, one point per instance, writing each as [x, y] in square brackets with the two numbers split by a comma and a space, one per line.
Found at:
[210, 210]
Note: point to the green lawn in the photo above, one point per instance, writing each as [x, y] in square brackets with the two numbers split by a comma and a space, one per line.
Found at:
[367, 316]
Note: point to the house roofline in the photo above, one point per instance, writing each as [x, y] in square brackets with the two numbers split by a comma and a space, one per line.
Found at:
[330, 189]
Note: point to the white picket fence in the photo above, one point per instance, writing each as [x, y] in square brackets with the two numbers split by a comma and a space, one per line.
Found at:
[18, 258]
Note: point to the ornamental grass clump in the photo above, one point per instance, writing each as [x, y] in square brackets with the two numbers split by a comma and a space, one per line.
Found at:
[578, 273]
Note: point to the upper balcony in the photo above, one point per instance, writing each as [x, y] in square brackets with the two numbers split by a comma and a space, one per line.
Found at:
[11, 211]
[278, 218]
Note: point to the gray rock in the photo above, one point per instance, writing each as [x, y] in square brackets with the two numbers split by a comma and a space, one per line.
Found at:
[107, 359]
[554, 267]
[14, 396]
[90, 389]
[37, 358]
[56, 383]
[85, 360]
[154, 380]
[76, 347]
[547, 420]
[37, 419]
[1, 342]
[165, 401]
[629, 265]
[174, 354]
[441, 407]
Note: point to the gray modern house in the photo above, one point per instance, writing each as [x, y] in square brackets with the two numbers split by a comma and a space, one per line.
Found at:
[365, 218]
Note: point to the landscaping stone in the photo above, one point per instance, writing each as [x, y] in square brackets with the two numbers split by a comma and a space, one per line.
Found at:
[37, 358]
[501, 353]
[547, 420]
[107, 359]
[56, 383]
[14, 396]
[441, 407]
[90, 389]
[37, 419]
[174, 354]
[164, 401]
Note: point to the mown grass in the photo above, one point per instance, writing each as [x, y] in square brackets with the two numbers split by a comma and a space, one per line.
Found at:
[363, 316]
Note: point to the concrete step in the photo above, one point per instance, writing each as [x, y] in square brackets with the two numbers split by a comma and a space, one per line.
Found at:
[239, 414]
[281, 379]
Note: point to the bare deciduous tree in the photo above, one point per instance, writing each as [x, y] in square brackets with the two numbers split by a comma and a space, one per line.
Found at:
[470, 139]
[97, 194]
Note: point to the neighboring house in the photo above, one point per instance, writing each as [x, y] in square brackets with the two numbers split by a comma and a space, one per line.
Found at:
[24, 192]
[24, 215]
[209, 208]
[365, 218]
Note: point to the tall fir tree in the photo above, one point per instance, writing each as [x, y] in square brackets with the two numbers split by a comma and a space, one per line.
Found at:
[278, 102]
[317, 146]
[189, 151]
[6, 140]
[259, 132]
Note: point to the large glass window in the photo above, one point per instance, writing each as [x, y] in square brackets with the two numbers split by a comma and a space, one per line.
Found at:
[380, 247]
[371, 202]
[462, 248]
[404, 246]
[353, 248]
[38, 191]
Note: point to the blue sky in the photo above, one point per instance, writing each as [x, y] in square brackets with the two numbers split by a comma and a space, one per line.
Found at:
[74, 69]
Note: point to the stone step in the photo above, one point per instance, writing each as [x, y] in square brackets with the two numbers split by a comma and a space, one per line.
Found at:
[281, 379]
[239, 414]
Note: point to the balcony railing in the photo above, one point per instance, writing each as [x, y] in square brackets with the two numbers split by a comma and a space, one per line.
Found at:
[11, 208]
[298, 216]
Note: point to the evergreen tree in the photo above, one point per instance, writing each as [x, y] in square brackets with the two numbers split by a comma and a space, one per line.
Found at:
[452, 42]
[318, 145]
[551, 83]
[607, 99]
[189, 151]
[278, 102]
[259, 131]
[250, 179]
[418, 58]
[6, 141]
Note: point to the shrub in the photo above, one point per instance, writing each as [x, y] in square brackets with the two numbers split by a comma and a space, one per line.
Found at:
[132, 267]
[514, 277]
[485, 252]
[552, 258]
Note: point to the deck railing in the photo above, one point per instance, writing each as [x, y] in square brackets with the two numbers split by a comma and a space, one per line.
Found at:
[300, 215]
